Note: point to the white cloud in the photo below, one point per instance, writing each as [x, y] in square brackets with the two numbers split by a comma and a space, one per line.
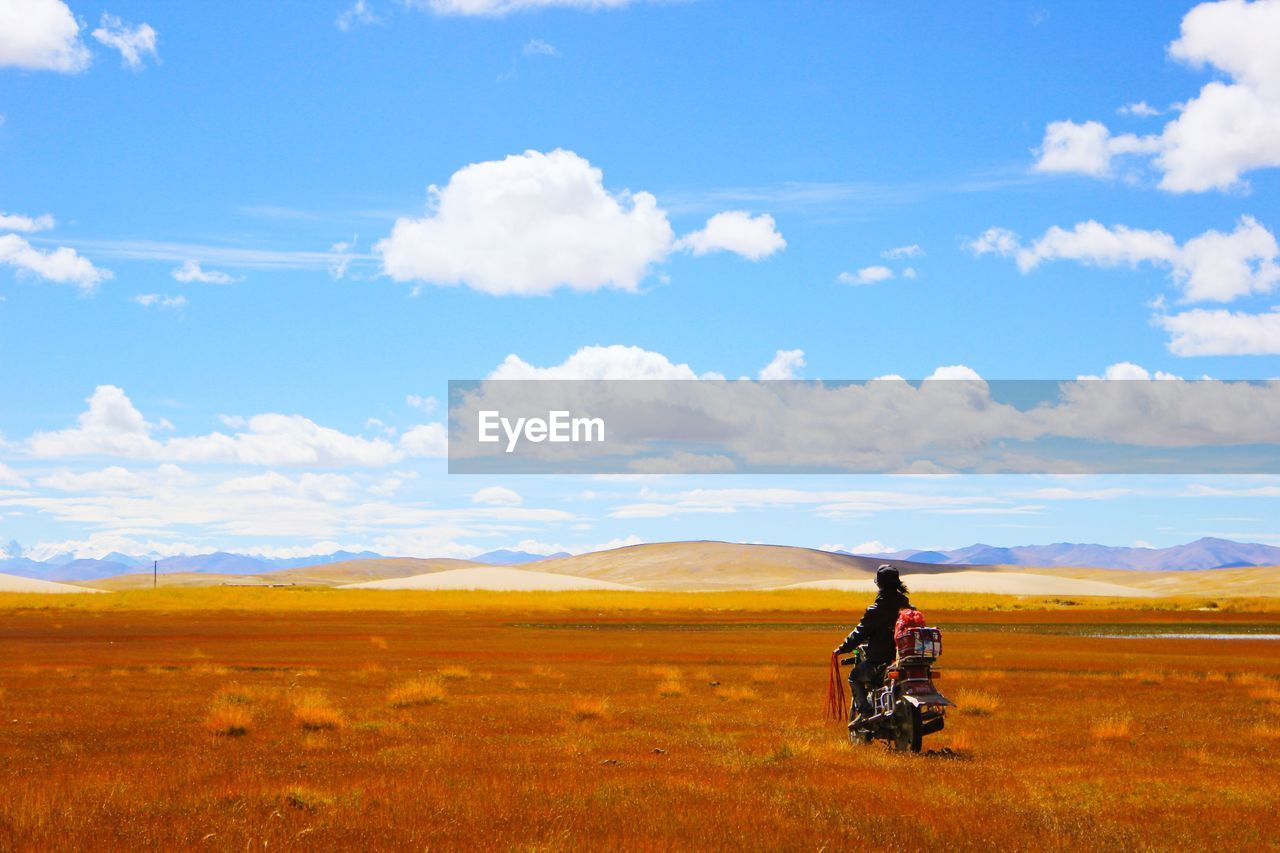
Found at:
[160, 300]
[1140, 109]
[1231, 127]
[18, 222]
[1221, 332]
[425, 440]
[737, 231]
[601, 362]
[497, 496]
[133, 42]
[996, 241]
[866, 275]
[342, 253]
[192, 271]
[912, 251]
[498, 8]
[784, 365]
[41, 35]
[954, 372]
[60, 265]
[1210, 267]
[534, 546]
[10, 477]
[112, 426]
[426, 404]
[538, 47]
[529, 224]
[1087, 148]
[359, 12]
[875, 546]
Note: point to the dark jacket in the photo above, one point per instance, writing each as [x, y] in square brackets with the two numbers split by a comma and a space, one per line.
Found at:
[876, 627]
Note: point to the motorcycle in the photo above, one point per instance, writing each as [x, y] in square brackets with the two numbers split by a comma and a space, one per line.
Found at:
[906, 705]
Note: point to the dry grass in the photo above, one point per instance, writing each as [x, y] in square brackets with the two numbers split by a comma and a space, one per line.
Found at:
[230, 714]
[308, 799]
[765, 675]
[588, 708]
[313, 711]
[976, 702]
[1113, 726]
[417, 691]
[1267, 692]
[455, 673]
[671, 689]
[734, 693]
[111, 748]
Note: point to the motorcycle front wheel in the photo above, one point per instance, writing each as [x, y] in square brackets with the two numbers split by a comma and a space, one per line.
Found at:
[907, 729]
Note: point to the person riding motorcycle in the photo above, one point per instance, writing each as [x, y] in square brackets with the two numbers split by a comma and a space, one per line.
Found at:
[876, 632]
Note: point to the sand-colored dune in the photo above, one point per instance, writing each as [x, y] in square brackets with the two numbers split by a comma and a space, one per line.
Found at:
[1261, 581]
[14, 583]
[495, 578]
[1006, 583]
[715, 565]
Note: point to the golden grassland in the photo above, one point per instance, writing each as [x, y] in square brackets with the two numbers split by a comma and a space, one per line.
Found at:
[294, 719]
[328, 599]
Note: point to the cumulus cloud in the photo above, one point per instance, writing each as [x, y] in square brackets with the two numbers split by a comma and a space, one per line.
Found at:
[18, 222]
[529, 224]
[160, 300]
[113, 426]
[535, 222]
[601, 362]
[425, 440]
[785, 365]
[737, 231]
[1230, 128]
[497, 496]
[41, 35]
[1141, 109]
[1213, 266]
[192, 271]
[1087, 148]
[499, 8]
[1221, 332]
[60, 265]
[133, 42]
[866, 275]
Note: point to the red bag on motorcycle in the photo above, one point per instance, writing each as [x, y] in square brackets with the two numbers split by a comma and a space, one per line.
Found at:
[908, 617]
[912, 638]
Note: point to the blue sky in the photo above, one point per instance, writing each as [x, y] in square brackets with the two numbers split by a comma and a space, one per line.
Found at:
[247, 143]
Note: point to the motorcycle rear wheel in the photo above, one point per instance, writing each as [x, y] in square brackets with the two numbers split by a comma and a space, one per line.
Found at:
[907, 729]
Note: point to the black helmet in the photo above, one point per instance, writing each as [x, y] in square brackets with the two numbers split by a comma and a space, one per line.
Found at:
[887, 577]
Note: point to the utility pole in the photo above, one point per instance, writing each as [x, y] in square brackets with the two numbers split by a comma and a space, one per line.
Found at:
[155, 574]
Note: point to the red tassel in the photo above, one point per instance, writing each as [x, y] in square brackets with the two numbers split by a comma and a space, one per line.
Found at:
[835, 690]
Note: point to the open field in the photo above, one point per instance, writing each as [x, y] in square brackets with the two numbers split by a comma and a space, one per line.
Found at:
[319, 719]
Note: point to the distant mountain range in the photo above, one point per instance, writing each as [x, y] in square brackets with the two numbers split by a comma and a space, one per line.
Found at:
[68, 567]
[1207, 553]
